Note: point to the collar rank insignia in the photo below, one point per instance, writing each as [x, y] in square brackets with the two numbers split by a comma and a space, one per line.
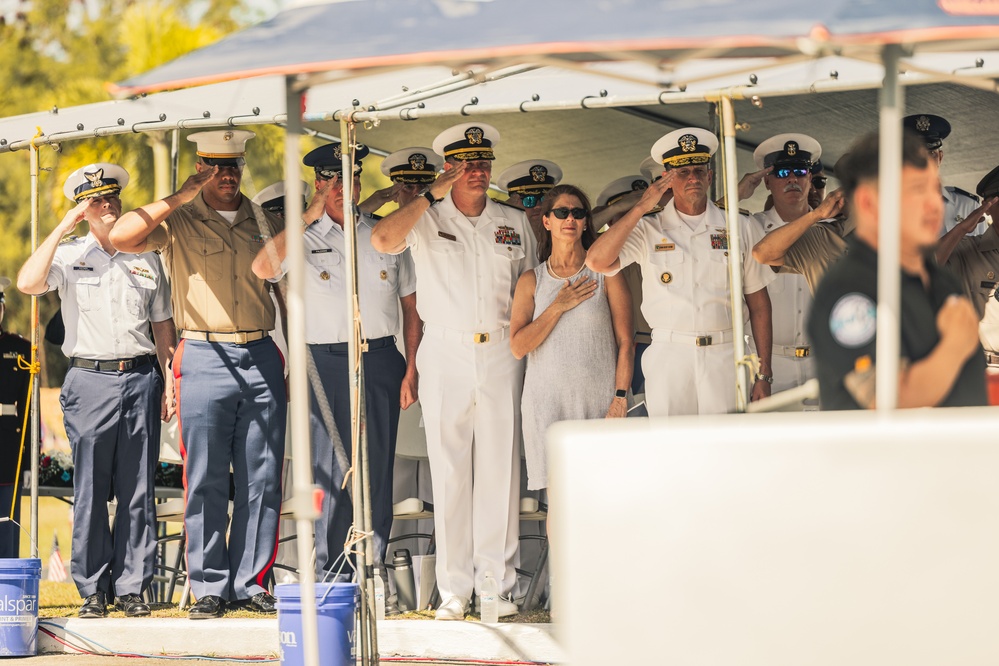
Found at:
[474, 135]
[507, 236]
[539, 173]
[96, 178]
[418, 161]
[922, 123]
[687, 143]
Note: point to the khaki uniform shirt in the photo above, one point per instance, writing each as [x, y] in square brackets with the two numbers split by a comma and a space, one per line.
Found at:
[209, 262]
[819, 248]
[976, 262]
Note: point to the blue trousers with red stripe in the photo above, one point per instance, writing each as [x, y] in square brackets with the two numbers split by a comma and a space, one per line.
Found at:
[232, 414]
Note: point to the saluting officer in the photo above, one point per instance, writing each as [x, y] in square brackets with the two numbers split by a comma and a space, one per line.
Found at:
[469, 252]
[229, 373]
[958, 204]
[527, 183]
[683, 252]
[384, 281]
[410, 170]
[13, 402]
[114, 305]
[976, 262]
[787, 160]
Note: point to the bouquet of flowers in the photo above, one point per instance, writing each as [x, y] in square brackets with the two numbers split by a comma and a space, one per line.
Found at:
[55, 469]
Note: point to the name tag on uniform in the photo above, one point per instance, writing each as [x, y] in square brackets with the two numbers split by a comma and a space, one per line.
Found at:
[445, 235]
[10, 355]
[88, 269]
[323, 250]
[507, 236]
[719, 241]
[665, 247]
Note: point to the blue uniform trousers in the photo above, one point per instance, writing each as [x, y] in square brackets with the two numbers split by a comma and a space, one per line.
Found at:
[384, 368]
[113, 424]
[232, 410]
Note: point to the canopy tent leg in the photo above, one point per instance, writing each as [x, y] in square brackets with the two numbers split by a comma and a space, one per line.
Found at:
[367, 637]
[731, 186]
[35, 386]
[892, 106]
[304, 507]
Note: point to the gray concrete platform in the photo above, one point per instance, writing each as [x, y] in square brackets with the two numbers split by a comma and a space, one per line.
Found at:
[238, 637]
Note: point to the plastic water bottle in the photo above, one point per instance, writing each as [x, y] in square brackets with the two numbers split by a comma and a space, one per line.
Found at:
[379, 597]
[489, 599]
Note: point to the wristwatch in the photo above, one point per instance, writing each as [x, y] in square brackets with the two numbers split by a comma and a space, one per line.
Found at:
[621, 393]
[430, 197]
[769, 379]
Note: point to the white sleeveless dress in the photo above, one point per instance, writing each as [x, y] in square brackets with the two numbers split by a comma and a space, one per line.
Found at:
[571, 374]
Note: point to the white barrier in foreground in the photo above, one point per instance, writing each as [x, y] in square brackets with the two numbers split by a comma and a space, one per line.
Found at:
[817, 539]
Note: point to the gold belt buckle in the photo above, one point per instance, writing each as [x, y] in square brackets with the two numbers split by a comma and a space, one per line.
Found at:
[239, 337]
[480, 338]
[802, 352]
[702, 340]
[121, 366]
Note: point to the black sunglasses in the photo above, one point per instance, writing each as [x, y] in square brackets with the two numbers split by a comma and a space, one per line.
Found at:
[531, 200]
[818, 182]
[799, 172]
[223, 162]
[563, 213]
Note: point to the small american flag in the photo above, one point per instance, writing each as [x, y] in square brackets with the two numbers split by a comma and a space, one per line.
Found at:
[57, 570]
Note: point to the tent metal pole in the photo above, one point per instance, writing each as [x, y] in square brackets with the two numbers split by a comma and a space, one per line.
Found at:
[174, 158]
[355, 348]
[36, 393]
[892, 103]
[731, 186]
[305, 509]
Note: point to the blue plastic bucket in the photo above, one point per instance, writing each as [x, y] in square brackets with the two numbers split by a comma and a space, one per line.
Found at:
[336, 610]
[19, 606]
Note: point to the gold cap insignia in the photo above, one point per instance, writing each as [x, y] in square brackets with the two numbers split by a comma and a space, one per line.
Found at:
[687, 143]
[474, 135]
[922, 123]
[539, 173]
[639, 185]
[791, 148]
[96, 178]
[418, 161]
[227, 136]
[337, 152]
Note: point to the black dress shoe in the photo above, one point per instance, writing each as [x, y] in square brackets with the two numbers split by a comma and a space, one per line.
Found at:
[262, 602]
[96, 605]
[207, 607]
[133, 605]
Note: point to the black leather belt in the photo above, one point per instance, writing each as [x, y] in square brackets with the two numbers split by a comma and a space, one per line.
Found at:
[341, 347]
[114, 365]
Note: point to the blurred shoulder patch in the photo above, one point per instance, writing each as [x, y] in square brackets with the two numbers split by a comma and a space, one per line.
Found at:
[853, 320]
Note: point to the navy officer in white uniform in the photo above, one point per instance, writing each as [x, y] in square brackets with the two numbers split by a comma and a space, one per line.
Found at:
[958, 204]
[683, 252]
[384, 282]
[114, 305]
[469, 252]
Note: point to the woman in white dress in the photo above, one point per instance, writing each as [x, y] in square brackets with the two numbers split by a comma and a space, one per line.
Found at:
[575, 328]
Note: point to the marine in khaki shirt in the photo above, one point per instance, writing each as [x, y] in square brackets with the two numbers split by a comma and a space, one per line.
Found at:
[229, 372]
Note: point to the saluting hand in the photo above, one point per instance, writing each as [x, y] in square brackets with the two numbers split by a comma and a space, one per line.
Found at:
[314, 211]
[654, 192]
[752, 180]
[832, 205]
[987, 208]
[443, 184]
[194, 183]
[572, 294]
[957, 322]
[76, 215]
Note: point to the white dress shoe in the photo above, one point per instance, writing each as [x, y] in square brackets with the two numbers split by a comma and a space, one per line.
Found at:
[506, 606]
[452, 609]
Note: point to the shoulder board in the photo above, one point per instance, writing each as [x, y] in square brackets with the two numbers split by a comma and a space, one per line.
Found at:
[742, 211]
[958, 190]
[508, 205]
[69, 239]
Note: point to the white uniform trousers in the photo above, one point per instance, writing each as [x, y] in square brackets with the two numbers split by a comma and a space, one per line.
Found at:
[470, 395]
[682, 378]
[791, 372]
